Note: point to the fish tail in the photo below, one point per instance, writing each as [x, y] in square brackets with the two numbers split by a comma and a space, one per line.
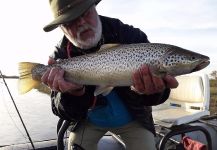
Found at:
[26, 82]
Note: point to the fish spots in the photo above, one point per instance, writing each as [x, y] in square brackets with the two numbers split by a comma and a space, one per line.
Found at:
[176, 59]
[117, 63]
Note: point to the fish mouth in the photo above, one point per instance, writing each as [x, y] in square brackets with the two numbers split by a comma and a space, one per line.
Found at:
[201, 65]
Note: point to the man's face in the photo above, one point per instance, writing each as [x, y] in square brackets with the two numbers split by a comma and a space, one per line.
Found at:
[84, 32]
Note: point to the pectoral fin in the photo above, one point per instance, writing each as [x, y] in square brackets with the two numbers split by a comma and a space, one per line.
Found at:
[158, 71]
[104, 90]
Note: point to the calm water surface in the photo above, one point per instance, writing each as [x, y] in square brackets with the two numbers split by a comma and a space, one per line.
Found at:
[35, 109]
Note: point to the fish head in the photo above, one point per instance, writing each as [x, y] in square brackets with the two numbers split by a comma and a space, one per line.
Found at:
[179, 61]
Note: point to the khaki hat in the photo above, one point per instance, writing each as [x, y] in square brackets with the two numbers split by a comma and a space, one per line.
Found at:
[67, 10]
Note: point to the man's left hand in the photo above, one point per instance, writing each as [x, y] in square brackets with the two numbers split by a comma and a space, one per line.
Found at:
[144, 82]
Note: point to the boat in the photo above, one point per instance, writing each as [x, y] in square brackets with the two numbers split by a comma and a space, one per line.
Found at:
[170, 133]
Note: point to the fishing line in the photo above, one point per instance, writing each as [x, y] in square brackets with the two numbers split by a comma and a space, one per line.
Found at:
[17, 111]
[16, 126]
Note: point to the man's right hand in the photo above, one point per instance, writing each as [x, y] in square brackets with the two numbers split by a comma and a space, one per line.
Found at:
[54, 79]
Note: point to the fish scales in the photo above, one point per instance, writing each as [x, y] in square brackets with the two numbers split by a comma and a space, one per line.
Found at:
[114, 66]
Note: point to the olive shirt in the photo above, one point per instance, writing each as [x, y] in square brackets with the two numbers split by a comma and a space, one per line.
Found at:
[75, 108]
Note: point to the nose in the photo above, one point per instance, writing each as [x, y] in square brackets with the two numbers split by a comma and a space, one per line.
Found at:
[80, 21]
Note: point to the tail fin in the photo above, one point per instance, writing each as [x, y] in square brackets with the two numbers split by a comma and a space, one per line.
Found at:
[26, 82]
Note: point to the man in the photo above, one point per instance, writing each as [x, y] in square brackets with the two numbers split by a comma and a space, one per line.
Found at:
[126, 110]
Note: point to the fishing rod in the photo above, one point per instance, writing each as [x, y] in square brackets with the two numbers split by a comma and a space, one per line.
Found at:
[17, 110]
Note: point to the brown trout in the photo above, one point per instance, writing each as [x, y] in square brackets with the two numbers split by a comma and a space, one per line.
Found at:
[113, 65]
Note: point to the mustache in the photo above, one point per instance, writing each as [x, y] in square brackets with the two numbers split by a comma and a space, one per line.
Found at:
[83, 28]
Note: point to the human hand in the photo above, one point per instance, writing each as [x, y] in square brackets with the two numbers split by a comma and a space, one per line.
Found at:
[54, 79]
[144, 82]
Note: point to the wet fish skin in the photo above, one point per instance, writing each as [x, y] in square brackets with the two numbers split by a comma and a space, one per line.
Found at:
[114, 65]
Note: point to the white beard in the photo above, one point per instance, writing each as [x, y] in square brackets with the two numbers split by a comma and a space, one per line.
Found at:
[90, 42]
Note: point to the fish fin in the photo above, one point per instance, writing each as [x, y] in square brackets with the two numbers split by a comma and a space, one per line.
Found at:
[104, 90]
[158, 71]
[25, 82]
[108, 46]
[161, 73]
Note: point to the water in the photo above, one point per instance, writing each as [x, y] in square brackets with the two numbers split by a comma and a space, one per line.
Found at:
[35, 109]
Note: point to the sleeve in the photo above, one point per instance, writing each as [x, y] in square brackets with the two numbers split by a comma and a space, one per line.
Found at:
[134, 98]
[116, 31]
[59, 50]
[128, 34]
[69, 107]
[154, 99]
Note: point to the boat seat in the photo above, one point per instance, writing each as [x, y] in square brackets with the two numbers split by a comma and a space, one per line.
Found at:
[187, 103]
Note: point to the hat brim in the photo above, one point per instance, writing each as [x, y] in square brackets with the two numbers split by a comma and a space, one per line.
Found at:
[71, 15]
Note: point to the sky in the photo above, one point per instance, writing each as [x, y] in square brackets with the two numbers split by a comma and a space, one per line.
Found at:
[188, 24]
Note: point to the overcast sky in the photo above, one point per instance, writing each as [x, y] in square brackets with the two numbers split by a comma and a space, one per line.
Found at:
[189, 24]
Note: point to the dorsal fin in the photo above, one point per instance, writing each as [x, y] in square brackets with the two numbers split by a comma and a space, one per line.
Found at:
[108, 46]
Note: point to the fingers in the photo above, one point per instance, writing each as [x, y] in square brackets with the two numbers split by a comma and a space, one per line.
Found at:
[51, 61]
[67, 86]
[45, 76]
[147, 83]
[138, 82]
[54, 79]
[51, 77]
[147, 79]
[143, 81]
[171, 81]
[159, 84]
[58, 79]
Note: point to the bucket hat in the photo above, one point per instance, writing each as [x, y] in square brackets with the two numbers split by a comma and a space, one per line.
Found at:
[67, 10]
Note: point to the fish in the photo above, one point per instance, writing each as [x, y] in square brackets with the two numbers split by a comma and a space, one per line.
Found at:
[114, 64]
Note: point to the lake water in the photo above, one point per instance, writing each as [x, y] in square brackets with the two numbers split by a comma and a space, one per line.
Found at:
[35, 109]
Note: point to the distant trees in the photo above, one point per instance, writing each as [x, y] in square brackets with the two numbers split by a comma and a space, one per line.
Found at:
[213, 81]
[213, 74]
